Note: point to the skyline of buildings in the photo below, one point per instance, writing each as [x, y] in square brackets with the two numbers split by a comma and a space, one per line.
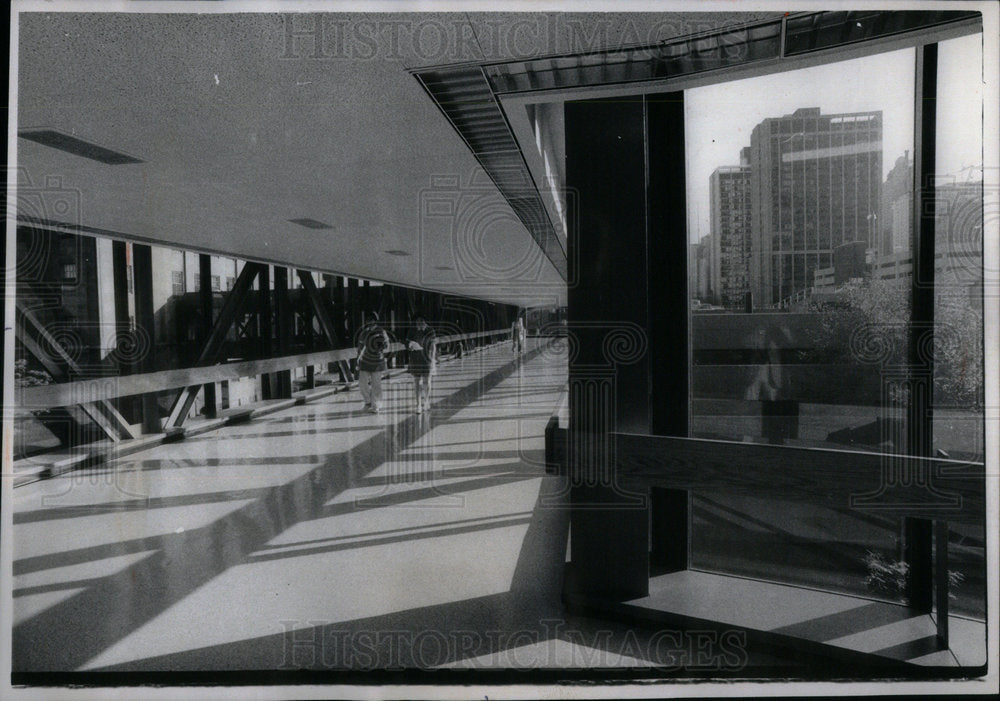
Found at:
[807, 185]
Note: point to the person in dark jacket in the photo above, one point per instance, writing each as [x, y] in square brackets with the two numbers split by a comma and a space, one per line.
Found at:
[373, 342]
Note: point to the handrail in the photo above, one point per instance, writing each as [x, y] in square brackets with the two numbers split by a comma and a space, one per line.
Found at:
[468, 336]
[946, 490]
[114, 386]
[937, 492]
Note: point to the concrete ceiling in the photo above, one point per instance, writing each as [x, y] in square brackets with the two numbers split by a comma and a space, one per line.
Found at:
[244, 121]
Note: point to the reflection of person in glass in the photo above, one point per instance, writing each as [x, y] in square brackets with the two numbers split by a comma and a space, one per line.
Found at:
[779, 415]
[517, 336]
[423, 356]
[766, 382]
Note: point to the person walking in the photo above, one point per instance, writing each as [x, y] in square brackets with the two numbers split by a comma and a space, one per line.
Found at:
[423, 359]
[373, 342]
[517, 336]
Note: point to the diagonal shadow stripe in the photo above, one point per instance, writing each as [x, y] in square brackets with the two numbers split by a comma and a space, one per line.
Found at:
[448, 473]
[912, 649]
[436, 532]
[280, 547]
[68, 634]
[844, 555]
[390, 498]
[487, 625]
[125, 465]
[143, 504]
[843, 623]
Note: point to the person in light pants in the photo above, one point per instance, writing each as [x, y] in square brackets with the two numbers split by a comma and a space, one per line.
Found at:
[373, 342]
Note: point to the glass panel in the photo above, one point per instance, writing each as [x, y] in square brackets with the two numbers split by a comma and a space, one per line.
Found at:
[798, 184]
[796, 325]
[823, 30]
[958, 293]
[729, 48]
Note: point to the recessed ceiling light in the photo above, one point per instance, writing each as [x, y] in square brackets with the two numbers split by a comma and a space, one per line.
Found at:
[443, 267]
[310, 223]
[78, 147]
[397, 252]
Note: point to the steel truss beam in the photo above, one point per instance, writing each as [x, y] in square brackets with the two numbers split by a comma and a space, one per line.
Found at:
[231, 308]
[325, 320]
[101, 412]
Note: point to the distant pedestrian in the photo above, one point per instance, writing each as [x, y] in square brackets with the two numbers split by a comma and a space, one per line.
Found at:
[423, 359]
[373, 342]
[517, 336]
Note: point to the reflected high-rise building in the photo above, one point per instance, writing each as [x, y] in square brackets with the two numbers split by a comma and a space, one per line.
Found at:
[895, 222]
[815, 184]
[731, 218]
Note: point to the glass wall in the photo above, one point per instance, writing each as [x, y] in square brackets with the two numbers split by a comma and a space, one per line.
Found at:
[800, 208]
[76, 297]
[800, 186]
[958, 425]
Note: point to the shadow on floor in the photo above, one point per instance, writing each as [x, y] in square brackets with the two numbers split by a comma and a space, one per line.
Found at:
[68, 634]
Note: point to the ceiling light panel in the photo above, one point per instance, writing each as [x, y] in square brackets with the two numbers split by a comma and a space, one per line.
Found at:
[78, 147]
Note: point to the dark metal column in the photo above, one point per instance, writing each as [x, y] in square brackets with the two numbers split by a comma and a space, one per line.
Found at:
[264, 346]
[339, 310]
[354, 307]
[206, 301]
[281, 381]
[340, 321]
[605, 167]
[918, 533]
[667, 317]
[142, 280]
[119, 264]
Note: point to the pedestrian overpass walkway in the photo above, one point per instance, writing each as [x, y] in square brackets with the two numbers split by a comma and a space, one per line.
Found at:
[321, 537]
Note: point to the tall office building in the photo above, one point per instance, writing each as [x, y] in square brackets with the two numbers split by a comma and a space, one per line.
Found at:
[706, 269]
[895, 221]
[731, 217]
[815, 184]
